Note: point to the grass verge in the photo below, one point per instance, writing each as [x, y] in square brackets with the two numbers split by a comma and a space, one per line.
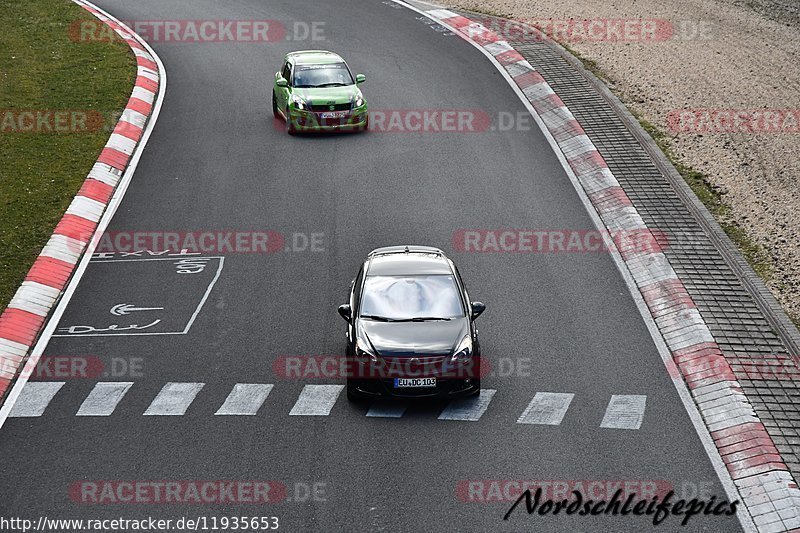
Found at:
[43, 68]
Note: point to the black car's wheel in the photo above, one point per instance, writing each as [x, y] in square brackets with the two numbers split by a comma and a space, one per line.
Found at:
[477, 388]
[274, 106]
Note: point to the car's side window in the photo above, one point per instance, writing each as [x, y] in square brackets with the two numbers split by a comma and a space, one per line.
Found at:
[287, 71]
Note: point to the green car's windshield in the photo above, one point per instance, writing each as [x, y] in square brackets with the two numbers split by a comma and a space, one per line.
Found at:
[333, 75]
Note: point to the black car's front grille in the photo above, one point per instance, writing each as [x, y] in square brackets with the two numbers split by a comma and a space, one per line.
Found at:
[321, 108]
[417, 366]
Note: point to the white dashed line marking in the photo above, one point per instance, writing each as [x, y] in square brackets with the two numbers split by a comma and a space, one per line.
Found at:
[468, 409]
[245, 399]
[546, 408]
[316, 400]
[174, 399]
[103, 399]
[34, 398]
[624, 412]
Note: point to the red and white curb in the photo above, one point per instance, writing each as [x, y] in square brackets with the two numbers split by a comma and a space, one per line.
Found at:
[25, 318]
[763, 481]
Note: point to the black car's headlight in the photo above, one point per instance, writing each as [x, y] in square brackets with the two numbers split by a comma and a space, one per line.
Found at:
[463, 351]
[364, 353]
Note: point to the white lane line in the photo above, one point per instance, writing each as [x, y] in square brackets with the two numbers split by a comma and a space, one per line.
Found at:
[104, 398]
[245, 399]
[316, 400]
[624, 412]
[546, 408]
[34, 398]
[468, 409]
[387, 410]
[174, 399]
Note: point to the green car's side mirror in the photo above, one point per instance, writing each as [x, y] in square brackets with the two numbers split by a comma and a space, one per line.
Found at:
[360, 78]
[281, 82]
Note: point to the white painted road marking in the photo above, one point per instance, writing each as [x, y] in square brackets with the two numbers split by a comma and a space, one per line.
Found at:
[245, 399]
[546, 408]
[387, 410]
[34, 398]
[174, 399]
[104, 398]
[316, 400]
[468, 409]
[624, 412]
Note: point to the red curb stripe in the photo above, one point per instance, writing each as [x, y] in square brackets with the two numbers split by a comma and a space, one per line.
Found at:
[457, 22]
[128, 130]
[567, 131]
[146, 83]
[114, 158]
[610, 199]
[4, 383]
[508, 57]
[738, 430]
[75, 227]
[20, 326]
[587, 162]
[140, 106]
[146, 63]
[528, 79]
[485, 37]
[548, 103]
[49, 271]
[96, 190]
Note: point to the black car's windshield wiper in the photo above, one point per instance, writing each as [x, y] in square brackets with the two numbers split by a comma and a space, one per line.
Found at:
[423, 319]
[378, 318]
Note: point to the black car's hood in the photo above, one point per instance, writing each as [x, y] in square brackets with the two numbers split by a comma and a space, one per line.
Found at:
[396, 339]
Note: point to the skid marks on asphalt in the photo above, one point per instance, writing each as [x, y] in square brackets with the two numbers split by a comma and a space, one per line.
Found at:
[625, 412]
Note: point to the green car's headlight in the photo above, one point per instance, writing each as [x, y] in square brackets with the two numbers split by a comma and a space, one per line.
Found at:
[359, 101]
[298, 102]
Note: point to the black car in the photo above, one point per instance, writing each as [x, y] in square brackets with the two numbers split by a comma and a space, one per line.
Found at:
[410, 327]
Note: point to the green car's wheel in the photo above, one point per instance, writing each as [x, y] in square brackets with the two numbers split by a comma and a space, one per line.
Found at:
[274, 105]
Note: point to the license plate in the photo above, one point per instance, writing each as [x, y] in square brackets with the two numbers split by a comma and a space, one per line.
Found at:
[405, 383]
[336, 114]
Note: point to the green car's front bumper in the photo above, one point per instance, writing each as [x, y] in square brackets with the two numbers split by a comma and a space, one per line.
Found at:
[305, 120]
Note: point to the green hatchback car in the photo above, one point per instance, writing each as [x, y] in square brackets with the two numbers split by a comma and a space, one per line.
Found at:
[315, 91]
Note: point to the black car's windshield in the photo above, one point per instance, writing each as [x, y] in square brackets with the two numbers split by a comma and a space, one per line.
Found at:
[410, 298]
[333, 75]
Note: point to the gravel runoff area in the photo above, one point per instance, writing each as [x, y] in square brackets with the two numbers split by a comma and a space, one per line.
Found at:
[719, 55]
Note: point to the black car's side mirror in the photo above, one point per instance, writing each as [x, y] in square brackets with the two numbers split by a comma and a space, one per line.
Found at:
[477, 309]
[346, 312]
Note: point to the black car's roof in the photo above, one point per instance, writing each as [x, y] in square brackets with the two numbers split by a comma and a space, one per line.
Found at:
[407, 260]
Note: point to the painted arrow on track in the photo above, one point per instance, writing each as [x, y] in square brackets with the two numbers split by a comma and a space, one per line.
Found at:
[126, 309]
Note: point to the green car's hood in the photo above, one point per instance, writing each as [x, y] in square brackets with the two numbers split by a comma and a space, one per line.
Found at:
[328, 95]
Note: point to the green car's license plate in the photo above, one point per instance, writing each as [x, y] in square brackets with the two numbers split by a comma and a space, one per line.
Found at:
[337, 114]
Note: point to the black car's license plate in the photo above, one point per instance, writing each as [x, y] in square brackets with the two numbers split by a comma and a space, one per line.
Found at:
[405, 383]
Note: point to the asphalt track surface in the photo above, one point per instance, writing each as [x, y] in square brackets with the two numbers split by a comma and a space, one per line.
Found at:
[215, 161]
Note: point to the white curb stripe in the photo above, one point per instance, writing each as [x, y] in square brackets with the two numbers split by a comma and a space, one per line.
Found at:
[624, 412]
[34, 398]
[143, 94]
[147, 73]
[34, 298]
[121, 143]
[86, 208]
[546, 408]
[104, 398]
[63, 248]
[133, 117]
[106, 174]
[245, 399]
[468, 409]
[316, 400]
[174, 399]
